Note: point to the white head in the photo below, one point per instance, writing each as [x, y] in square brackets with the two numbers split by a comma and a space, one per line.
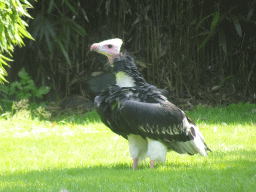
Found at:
[109, 47]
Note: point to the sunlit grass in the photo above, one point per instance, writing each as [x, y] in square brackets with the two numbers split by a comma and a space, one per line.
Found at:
[79, 153]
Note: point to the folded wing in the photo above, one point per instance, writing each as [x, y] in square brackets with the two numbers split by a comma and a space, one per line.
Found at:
[166, 123]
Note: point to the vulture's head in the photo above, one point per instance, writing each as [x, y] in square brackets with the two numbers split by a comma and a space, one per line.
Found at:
[121, 64]
[109, 48]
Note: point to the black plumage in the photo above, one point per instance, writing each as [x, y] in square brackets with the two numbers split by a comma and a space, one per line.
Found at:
[138, 109]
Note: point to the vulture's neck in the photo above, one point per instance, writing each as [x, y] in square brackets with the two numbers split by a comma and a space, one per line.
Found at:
[127, 74]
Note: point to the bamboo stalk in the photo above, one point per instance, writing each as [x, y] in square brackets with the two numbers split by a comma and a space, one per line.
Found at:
[148, 48]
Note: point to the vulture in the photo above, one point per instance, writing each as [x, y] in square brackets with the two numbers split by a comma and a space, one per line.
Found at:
[134, 109]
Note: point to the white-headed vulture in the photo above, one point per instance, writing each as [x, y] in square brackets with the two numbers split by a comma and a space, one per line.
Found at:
[134, 109]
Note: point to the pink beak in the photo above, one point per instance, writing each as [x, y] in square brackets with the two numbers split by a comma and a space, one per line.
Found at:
[94, 47]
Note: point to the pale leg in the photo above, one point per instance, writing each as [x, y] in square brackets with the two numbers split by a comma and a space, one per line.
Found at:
[152, 162]
[135, 162]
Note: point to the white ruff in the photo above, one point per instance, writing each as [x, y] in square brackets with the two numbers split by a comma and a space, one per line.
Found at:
[124, 80]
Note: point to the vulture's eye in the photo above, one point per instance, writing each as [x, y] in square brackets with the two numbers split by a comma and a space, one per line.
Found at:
[109, 46]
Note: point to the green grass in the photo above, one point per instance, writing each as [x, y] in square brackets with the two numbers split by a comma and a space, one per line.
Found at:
[79, 153]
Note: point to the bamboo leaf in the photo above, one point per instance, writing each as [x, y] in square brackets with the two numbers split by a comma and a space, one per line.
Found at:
[213, 24]
[51, 4]
[215, 20]
[2, 79]
[223, 80]
[223, 42]
[36, 26]
[84, 14]
[41, 30]
[138, 19]
[45, 29]
[49, 29]
[77, 28]
[204, 33]
[70, 6]
[65, 53]
[26, 2]
[99, 5]
[2, 70]
[49, 43]
[23, 31]
[205, 41]
[250, 13]
[20, 9]
[202, 20]
[5, 58]
[107, 5]
[237, 26]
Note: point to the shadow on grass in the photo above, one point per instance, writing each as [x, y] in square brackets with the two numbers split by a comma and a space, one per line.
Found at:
[234, 170]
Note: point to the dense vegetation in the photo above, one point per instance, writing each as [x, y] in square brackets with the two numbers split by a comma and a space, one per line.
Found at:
[195, 49]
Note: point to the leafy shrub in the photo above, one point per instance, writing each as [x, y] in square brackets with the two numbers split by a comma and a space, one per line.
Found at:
[24, 89]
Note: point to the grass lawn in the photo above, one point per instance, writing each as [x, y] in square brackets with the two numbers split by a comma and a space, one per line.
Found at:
[79, 153]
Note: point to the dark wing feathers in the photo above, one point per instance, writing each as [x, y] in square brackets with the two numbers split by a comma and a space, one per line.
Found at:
[110, 116]
[159, 121]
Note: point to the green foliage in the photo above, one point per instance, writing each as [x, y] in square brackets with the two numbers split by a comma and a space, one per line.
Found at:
[24, 89]
[12, 29]
[215, 20]
[185, 46]
[3, 72]
[58, 34]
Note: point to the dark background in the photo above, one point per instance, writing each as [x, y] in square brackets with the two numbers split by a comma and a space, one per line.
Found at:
[203, 51]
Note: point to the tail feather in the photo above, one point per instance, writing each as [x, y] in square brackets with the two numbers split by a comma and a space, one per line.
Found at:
[176, 146]
[187, 147]
[199, 146]
[196, 144]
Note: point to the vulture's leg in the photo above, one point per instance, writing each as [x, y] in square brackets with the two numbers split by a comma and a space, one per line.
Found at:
[152, 162]
[135, 162]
